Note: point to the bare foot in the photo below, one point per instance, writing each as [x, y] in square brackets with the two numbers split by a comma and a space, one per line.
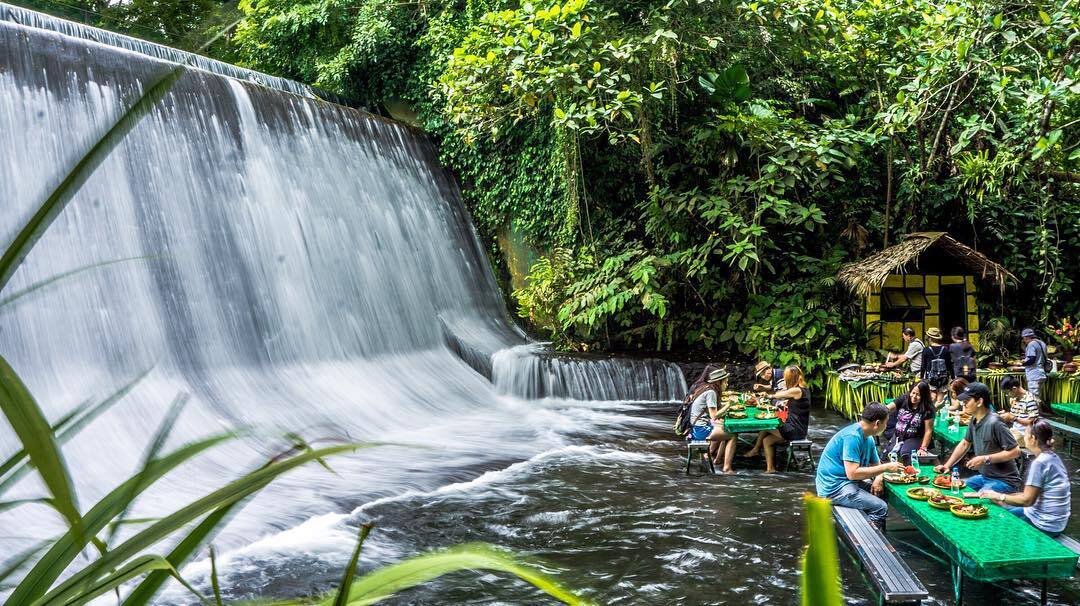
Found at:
[728, 471]
[770, 471]
[750, 454]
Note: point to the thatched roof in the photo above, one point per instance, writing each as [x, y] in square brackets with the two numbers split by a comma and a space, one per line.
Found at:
[862, 277]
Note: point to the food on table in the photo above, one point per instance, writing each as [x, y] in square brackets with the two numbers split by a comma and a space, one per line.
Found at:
[909, 470]
[736, 407]
[945, 481]
[738, 414]
[765, 415]
[971, 512]
[921, 494]
[943, 501]
[900, 478]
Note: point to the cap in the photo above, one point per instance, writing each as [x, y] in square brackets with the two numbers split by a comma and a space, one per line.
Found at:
[1027, 332]
[975, 390]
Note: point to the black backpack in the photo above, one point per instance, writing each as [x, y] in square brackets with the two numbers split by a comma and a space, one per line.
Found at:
[937, 375]
[964, 361]
[683, 422]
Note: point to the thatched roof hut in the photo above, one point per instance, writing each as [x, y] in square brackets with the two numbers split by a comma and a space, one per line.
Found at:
[936, 249]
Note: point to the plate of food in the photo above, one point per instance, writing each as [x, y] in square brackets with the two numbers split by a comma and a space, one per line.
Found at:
[736, 408]
[945, 481]
[920, 493]
[943, 501]
[762, 416]
[969, 512]
[738, 414]
[900, 478]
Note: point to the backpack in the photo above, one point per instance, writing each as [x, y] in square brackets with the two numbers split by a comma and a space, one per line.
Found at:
[1047, 364]
[683, 422]
[964, 363]
[937, 375]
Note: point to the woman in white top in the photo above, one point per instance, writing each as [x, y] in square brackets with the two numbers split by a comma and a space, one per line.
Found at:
[707, 418]
[1045, 500]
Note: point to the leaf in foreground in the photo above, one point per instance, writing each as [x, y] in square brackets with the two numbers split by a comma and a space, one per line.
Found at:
[387, 581]
[821, 563]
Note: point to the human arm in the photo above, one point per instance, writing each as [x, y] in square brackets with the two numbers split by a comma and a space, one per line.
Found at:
[958, 453]
[897, 360]
[856, 472]
[1017, 499]
[1031, 353]
[790, 393]
[928, 434]
[997, 457]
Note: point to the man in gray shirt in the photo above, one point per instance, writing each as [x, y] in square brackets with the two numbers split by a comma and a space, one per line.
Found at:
[913, 353]
[1034, 361]
[996, 449]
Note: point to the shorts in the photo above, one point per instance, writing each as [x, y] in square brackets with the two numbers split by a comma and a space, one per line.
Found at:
[701, 432]
[790, 433]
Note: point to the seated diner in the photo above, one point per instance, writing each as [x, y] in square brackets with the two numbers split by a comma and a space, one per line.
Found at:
[914, 428]
[707, 416]
[795, 415]
[995, 447]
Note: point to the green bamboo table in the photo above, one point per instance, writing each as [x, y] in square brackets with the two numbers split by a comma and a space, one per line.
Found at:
[1069, 411]
[750, 423]
[849, 397]
[948, 437]
[999, 547]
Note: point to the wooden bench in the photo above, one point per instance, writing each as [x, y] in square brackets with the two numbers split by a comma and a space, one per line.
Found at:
[1071, 543]
[1070, 434]
[800, 452]
[700, 448]
[893, 580]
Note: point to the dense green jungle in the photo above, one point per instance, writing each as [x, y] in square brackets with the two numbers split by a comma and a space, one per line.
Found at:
[690, 174]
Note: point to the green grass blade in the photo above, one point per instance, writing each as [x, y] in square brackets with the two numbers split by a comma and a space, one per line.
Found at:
[151, 454]
[131, 570]
[37, 438]
[821, 562]
[67, 548]
[15, 296]
[56, 201]
[145, 592]
[215, 585]
[387, 581]
[6, 505]
[67, 427]
[231, 493]
[342, 597]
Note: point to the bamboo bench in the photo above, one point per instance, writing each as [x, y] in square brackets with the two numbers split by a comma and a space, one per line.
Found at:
[891, 577]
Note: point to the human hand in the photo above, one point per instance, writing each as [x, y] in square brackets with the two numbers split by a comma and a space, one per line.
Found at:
[976, 462]
[877, 487]
[1008, 417]
[986, 493]
[940, 468]
[922, 452]
[894, 467]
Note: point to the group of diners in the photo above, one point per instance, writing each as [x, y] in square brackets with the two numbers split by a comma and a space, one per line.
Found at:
[1043, 500]
[941, 362]
[785, 389]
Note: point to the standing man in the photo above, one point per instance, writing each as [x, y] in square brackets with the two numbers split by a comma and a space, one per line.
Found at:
[995, 447]
[1034, 362]
[963, 355]
[913, 353]
[850, 457]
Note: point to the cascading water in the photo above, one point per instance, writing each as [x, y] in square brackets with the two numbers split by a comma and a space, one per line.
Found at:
[292, 264]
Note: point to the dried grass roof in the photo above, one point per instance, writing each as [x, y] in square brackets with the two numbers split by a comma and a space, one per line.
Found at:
[862, 277]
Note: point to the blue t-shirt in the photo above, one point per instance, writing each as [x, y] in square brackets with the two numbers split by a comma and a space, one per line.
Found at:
[1036, 352]
[1052, 509]
[849, 444]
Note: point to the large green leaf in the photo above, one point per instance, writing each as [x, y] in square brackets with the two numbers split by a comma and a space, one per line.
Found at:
[68, 426]
[56, 201]
[821, 563]
[26, 419]
[67, 548]
[231, 493]
[387, 581]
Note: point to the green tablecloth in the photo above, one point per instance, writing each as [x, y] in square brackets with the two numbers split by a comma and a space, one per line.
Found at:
[1069, 411]
[950, 438]
[1062, 388]
[750, 423]
[996, 548]
[849, 398]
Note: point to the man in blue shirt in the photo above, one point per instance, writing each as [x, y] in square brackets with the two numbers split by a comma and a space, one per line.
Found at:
[850, 457]
[1034, 361]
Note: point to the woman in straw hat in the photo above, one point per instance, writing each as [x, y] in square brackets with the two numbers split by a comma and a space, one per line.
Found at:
[796, 424]
[707, 416]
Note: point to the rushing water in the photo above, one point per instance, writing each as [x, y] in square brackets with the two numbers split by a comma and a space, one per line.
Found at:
[298, 266]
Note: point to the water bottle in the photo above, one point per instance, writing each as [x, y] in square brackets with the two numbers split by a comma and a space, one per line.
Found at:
[956, 480]
[895, 452]
[915, 463]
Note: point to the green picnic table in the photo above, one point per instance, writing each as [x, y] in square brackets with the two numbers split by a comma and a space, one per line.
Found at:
[1070, 411]
[999, 547]
[948, 437]
[750, 424]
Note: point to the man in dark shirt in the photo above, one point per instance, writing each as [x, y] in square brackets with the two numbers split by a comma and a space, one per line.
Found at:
[995, 447]
[963, 356]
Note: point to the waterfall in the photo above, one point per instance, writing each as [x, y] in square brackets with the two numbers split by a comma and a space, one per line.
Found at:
[292, 264]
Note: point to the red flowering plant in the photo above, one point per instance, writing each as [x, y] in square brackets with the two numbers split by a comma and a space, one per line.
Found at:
[1068, 334]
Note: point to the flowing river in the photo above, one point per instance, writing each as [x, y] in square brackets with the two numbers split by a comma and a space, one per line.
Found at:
[288, 265]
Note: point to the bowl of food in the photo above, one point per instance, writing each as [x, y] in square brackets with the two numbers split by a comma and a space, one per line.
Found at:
[765, 415]
[736, 408]
[738, 414]
[900, 478]
[969, 512]
[943, 501]
[995, 366]
[945, 481]
[921, 493]
[1016, 368]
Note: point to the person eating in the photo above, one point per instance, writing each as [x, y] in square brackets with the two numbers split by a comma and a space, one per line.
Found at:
[772, 379]
[797, 421]
[708, 417]
[995, 447]
[914, 412]
[1023, 407]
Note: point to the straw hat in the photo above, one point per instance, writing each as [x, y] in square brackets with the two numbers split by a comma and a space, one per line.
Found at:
[761, 367]
[718, 375]
[934, 333]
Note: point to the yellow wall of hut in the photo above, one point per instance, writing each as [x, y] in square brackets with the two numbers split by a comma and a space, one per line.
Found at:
[886, 335]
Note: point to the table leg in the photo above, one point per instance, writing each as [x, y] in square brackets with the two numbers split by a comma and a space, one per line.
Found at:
[958, 584]
[1042, 594]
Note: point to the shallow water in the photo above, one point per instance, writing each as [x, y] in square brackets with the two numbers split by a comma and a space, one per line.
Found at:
[612, 514]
